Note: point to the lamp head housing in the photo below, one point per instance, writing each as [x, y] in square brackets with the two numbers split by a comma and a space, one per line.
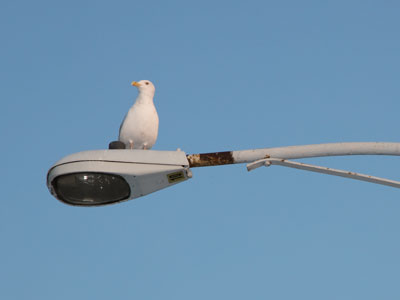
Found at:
[101, 177]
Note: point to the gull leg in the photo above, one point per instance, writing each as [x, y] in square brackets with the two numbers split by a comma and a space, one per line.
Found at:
[131, 144]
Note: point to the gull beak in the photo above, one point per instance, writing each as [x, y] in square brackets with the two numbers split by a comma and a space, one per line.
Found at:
[135, 83]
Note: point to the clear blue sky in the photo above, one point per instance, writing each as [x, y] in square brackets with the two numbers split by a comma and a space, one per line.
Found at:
[229, 75]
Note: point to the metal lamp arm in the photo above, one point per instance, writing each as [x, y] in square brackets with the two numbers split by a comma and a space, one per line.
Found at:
[293, 152]
[279, 156]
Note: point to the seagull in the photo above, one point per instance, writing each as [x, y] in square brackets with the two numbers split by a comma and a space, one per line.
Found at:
[139, 129]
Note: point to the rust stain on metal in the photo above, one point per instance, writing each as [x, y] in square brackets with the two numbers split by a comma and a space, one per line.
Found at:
[210, 159]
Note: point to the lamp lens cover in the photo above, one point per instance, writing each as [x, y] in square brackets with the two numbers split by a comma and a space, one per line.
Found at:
[91, 188]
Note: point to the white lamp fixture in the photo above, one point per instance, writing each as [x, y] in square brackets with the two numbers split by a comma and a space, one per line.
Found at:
[102, 177]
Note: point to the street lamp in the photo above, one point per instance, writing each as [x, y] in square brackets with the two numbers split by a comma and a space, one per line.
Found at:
[101, 177]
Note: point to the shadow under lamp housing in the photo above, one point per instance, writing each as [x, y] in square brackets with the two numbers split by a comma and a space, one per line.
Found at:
[102, 177]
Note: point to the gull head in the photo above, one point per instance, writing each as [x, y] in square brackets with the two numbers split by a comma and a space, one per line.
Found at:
[145, 87]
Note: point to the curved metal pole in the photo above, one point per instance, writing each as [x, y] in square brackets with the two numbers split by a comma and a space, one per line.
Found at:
[279, 156]
[293, 152]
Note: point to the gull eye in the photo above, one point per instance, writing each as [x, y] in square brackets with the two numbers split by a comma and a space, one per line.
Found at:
[147, 83]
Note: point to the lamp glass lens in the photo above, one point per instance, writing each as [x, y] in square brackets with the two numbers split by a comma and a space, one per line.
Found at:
[90, 188]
